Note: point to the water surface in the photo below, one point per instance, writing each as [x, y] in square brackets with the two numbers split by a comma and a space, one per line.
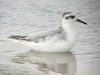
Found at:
[42, 17]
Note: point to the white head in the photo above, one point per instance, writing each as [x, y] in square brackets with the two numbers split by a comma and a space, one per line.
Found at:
[68, 19]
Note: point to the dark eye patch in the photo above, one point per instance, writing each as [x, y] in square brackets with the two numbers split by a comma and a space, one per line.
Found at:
[72, 16]
[67, 17]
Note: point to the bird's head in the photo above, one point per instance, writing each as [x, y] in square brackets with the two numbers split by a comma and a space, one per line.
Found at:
[69, 16]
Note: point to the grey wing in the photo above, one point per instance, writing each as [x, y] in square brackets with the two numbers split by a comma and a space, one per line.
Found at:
[34, 39]
[60, 30]
[63, 33]
[27, 38]
[18, 37]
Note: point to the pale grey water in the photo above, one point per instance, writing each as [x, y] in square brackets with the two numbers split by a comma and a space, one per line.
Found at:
[42, 17]
[62, 63]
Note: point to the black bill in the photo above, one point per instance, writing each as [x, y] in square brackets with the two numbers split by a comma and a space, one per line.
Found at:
[78, 20]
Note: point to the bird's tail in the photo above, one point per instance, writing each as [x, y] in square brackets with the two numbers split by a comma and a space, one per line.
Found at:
[16, 40]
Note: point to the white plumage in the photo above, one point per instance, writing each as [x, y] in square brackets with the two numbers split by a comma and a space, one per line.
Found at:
[60, 42]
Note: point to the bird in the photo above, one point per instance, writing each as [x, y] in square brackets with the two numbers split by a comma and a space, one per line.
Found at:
[62, 41]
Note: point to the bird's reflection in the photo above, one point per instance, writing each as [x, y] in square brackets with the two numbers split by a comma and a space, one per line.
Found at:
[62, 63]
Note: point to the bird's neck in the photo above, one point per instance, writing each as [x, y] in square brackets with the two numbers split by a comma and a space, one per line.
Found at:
[67, 25]
[71, 33]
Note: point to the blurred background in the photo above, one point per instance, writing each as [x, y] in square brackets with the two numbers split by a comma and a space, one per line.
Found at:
[42, 17]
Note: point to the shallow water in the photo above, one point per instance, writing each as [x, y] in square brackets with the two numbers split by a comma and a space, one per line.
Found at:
[62, 63]
[42, 17]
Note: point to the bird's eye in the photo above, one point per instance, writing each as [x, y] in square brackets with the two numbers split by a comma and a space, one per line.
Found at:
[72, 16]
[67, 17]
